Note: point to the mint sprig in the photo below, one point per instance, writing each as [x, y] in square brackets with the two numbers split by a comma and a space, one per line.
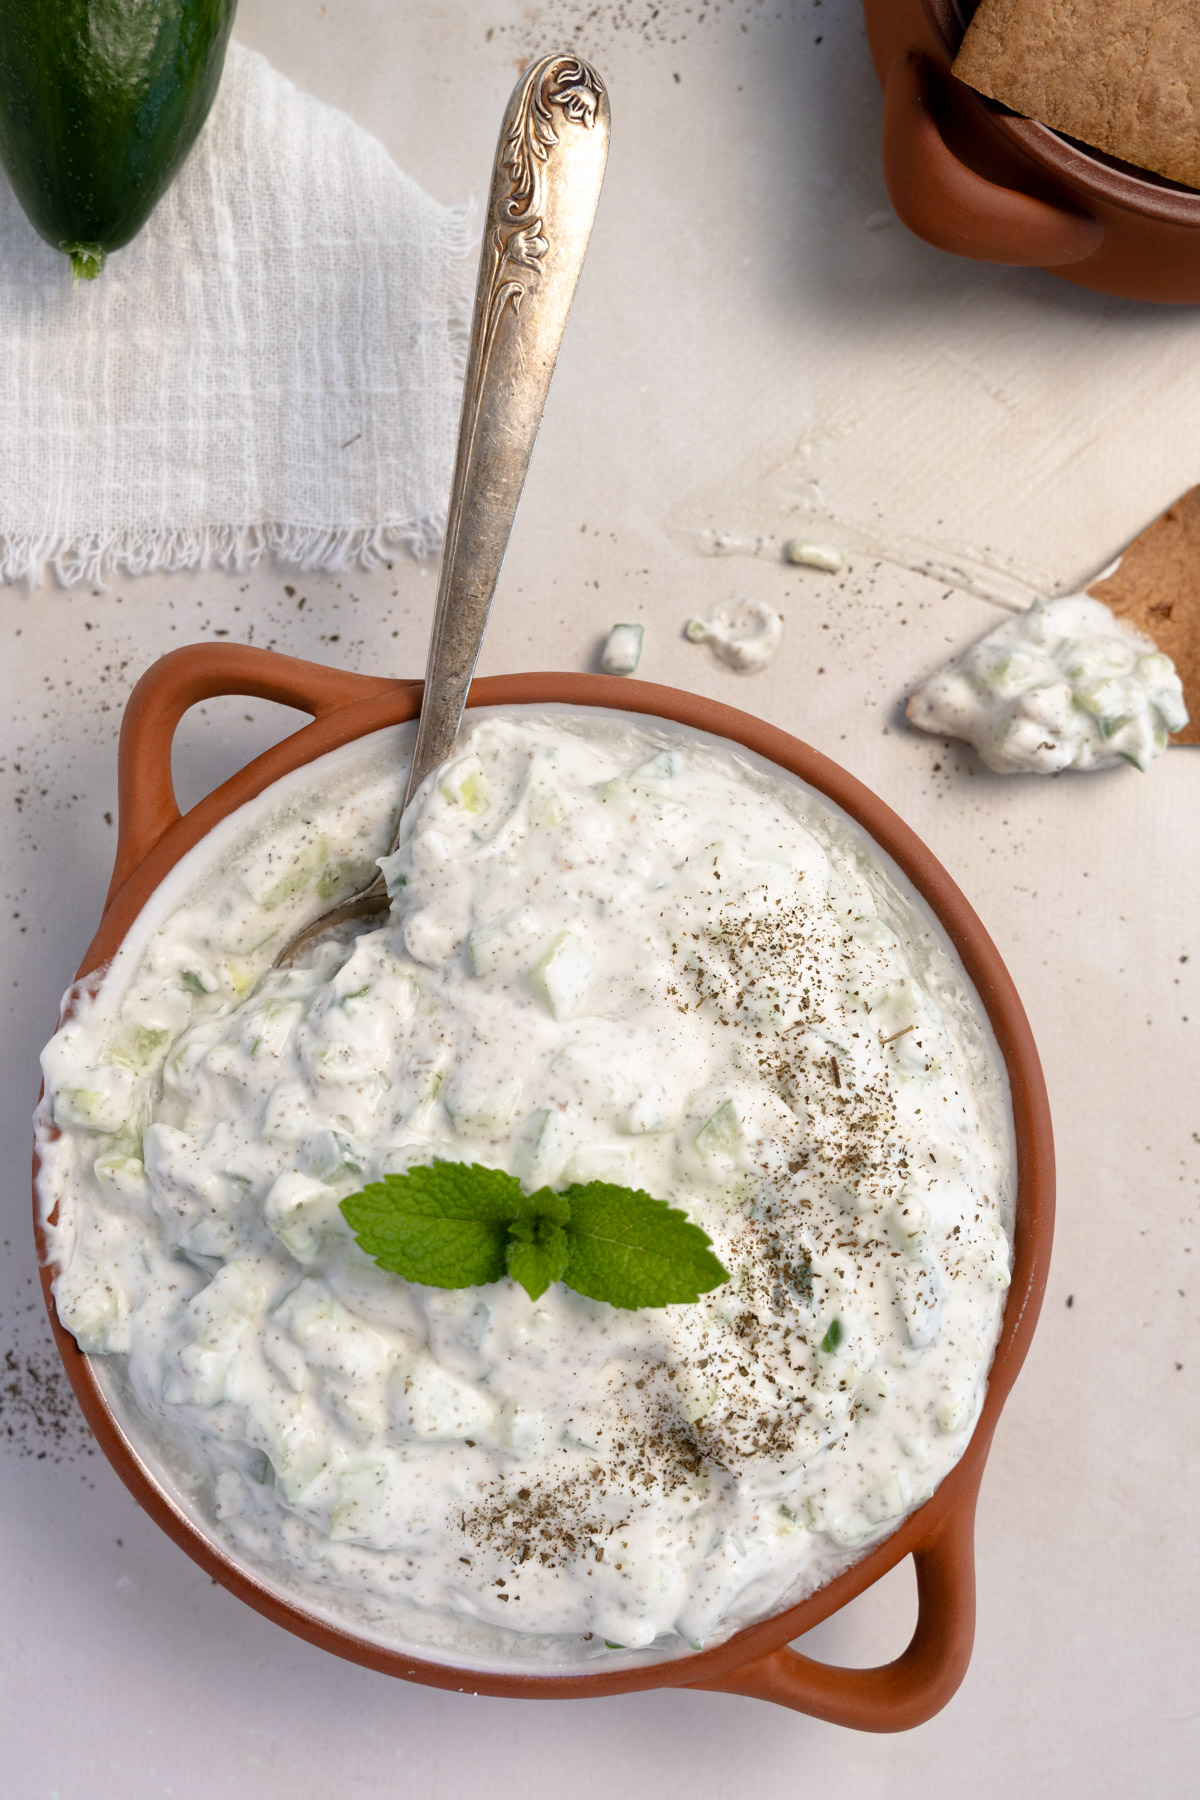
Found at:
[456, 1225]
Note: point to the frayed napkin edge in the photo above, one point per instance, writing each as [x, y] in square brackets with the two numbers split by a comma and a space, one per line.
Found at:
[148, 550]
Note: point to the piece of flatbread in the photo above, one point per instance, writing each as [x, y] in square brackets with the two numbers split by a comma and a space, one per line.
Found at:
[1156, 589]
[1122, 75]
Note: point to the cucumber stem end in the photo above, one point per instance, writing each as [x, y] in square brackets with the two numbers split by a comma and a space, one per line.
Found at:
[87, 260]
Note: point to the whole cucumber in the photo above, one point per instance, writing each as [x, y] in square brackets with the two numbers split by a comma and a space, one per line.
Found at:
[100, 102]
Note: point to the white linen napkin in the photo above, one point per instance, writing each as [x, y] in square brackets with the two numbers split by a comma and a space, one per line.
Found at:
[273, 364]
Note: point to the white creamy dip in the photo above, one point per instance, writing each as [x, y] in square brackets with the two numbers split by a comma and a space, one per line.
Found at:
[743, 634]
[617, 952]
[1065, 685]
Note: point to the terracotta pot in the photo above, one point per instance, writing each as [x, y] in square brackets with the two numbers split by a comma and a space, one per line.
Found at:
[971, 177]
[939, 1535]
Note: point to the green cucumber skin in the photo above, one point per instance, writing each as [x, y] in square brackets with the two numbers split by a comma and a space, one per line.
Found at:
[100, 103]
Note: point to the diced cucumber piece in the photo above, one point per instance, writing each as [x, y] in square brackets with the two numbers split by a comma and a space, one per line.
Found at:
[343, 877]
[814, 556]
[954, 1412]
[123, 1175]
[288, 1112]
[603, 1162]
[330, 1156]
[491, 945]
[104, 1104]
[286, 1358]
[1004, 670]
[849, 1528]
[721, 1135]
[1036, 624]
[298, 1209]
[269, 884]
[622, 650]
[217, 1318]
[301, 1469]
[662, 766]
[331, 1337]
[920, 1301]
[198, 978]
[521, 1429]
[635, 797]
[1097, 658]
[482, 1107]
[562, 978]
[432, 937]
[230, 1495]
[892, 1497]
[362, 1492]
[654, 1109]
[546, 809]
[138, 1047]
[698, 1404]
[96, 1315]
[265, 1031]
[463, 783]
[427, 1401]
[545, 1141]
[908, 1222]
[241, 976]
[1049, 706]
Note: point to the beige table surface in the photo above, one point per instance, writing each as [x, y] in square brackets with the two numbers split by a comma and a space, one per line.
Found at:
[758, 347]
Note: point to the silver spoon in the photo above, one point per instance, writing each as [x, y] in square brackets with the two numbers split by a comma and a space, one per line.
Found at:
[545, 186]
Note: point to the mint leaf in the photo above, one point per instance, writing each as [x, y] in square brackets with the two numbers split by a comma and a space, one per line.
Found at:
[632, 1250]
[537, 1244]
[455, 1225]
[445, 1226]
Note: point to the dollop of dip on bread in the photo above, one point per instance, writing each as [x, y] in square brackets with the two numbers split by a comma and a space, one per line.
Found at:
[1065, 685]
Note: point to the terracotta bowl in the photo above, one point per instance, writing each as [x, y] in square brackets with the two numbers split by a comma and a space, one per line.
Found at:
[939, 1535]
[971, 177]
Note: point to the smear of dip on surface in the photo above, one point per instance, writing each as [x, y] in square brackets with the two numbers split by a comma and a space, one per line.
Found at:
[743, 634]
[614, 952]
[1065, 685]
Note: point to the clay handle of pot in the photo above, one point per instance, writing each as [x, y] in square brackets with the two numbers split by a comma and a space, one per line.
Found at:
[899, 1694]
[146, 803]
[943, 201]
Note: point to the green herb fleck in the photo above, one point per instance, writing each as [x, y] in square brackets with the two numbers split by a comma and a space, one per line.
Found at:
[833, 1337]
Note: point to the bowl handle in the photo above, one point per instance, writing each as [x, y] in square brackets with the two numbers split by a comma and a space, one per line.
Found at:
[943, 201]
[146, 803]
[900, 1694]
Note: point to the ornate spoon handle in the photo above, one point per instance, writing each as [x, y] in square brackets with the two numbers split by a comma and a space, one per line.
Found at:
[545, 186]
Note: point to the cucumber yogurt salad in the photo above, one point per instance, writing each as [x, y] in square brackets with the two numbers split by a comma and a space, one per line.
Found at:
[1063, 685]
[616, 953]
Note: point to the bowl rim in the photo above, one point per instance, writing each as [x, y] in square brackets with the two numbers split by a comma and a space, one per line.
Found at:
[153, 836]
